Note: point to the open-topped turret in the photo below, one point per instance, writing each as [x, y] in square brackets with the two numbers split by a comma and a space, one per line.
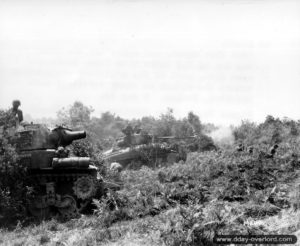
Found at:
[63, 184]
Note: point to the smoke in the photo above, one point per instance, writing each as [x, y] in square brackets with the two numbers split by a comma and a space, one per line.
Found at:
[222, 136]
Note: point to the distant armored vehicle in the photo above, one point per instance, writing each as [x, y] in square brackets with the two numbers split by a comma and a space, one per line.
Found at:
[138, 149]
[61, 184]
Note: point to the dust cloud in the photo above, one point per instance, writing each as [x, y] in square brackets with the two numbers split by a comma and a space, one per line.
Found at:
[223, 136]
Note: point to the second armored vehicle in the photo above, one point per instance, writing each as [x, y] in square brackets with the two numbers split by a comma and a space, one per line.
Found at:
[136, 149]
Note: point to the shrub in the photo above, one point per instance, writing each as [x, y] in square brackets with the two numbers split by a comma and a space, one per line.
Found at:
[13, 188]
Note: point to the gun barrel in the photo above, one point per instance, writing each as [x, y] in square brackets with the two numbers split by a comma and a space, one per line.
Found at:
[70, 136]
[62, 136]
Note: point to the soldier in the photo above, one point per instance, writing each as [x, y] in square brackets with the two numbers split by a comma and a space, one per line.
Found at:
[250, 150]
[128, 131]
[137, 129]
[240, 147]
[16, 113]
[272, 152]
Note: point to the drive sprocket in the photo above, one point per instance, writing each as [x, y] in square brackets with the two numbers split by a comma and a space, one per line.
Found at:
[84, 187]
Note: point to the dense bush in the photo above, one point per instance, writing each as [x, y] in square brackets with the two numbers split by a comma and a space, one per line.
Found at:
[271, 131]
[13, 188]
[216, 192]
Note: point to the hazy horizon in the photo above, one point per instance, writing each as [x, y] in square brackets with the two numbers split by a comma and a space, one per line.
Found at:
[224, 60]
[28, 118]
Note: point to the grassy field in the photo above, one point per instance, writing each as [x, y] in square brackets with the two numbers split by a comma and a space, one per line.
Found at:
[220, 192]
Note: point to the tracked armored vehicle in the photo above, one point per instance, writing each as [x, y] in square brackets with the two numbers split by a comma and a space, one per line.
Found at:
[133, 151]
[62, 184]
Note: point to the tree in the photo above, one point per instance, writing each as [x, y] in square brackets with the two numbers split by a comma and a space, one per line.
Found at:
[246, 133]
[165, 123]
[195, 122]
[76, 116]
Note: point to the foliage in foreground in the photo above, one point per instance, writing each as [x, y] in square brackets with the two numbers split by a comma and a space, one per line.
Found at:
[187, 204]
[13, 189]
[212, 193]
[183, 204]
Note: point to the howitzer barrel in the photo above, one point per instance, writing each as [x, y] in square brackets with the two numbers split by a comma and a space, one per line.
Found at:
[62, 137]
[70, 136]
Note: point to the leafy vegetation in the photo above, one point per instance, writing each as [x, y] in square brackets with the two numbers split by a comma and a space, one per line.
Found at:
[219, 191]
[13, 187]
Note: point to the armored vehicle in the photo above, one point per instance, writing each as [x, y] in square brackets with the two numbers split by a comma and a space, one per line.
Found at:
[134, 150]
[62, 184]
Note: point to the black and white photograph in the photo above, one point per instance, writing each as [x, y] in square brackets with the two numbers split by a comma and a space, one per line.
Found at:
[148, 123]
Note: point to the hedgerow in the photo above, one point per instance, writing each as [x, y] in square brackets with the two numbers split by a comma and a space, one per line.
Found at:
[13, 183]
[217, 192]
[221, 191]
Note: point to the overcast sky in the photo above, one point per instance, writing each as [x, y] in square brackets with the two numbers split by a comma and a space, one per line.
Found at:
[224, 60]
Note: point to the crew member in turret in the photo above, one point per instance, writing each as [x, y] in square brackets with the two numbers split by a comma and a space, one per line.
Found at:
[128, 131]
[137, 129]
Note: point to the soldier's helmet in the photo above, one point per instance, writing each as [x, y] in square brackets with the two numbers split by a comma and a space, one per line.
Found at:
[137, 129]
[16, 103]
